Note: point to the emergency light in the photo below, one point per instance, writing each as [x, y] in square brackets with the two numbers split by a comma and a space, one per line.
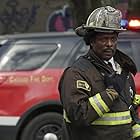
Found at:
[124, 23]
[134, 24]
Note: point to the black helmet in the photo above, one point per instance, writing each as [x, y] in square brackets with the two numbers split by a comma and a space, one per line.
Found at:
[104, 19]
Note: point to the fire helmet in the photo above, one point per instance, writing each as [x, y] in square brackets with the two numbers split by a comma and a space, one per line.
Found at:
[103, 19]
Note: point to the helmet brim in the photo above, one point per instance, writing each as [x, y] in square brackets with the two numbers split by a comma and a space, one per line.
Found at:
[83, 30]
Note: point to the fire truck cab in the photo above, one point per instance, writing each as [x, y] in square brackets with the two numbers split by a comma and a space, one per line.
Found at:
[30, 69]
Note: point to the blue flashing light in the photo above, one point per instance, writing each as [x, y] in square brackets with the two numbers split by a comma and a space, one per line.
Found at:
[124, 23]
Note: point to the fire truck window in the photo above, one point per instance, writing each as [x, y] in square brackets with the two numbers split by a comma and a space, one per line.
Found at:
[132, 49]
[125, 46]
[26, 57]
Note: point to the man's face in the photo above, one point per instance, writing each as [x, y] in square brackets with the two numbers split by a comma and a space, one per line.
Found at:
[104, 45]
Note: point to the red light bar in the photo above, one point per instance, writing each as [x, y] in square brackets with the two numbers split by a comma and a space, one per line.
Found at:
[134, 24]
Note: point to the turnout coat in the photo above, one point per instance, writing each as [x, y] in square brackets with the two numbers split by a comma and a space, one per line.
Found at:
[89, 113]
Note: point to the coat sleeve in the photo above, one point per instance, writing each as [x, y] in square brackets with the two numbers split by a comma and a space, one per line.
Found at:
[136, 131]
[79, 106]
[136, 103]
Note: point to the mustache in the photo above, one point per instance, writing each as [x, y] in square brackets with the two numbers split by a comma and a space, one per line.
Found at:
[109, 49]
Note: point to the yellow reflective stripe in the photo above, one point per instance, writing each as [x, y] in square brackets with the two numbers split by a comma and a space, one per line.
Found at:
[136, 130]
[98, 104]
[102, 103]
[117, 114]
[110, 119]
[94, 105]
[65, 116]
[114, 119]
[136, 100]
[117, 122]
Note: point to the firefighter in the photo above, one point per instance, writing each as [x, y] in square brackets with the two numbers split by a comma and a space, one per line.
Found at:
[98, 91]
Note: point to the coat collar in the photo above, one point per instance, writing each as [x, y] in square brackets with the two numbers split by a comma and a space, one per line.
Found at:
[124, 61]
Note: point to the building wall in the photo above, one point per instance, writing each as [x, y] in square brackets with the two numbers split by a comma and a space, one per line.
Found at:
[26, 15]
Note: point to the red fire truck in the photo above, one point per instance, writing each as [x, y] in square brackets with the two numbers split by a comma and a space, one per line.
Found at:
[30, 68]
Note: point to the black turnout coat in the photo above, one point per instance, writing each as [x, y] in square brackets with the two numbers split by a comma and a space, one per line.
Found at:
[84, 79]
